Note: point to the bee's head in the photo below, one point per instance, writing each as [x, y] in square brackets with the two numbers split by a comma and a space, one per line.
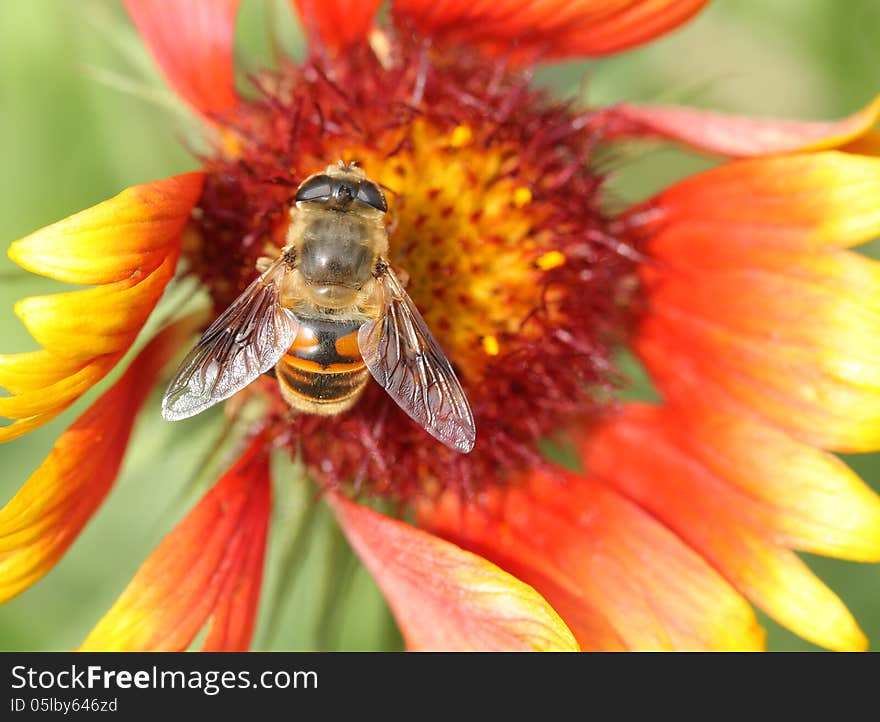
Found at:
[342, 188]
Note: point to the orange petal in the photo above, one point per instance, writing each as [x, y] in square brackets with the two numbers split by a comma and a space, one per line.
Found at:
[209, 566]
[801, 497]
[337, 24]
[866, 144]
[34, 370]
[739, 136]
[793, 336]
[799, 202]
[47, 514]
[68, 326]
[128, 244]
[28, 424]
[619, 579]
[445, 598]
[547, 29]
[132, 233]
[192, 42]
[730, 489]
[58, 395]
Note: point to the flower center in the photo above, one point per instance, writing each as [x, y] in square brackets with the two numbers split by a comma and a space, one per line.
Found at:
[467, 232]
[495, 226]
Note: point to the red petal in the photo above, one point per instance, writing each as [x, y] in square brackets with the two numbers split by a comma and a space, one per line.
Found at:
[47, 514]
[738, 136]
[739, 493]
[337, 24]
[209, 566]
[547, 29]
[619, 579]
[192, 41]
[232, 624]
[445, 598]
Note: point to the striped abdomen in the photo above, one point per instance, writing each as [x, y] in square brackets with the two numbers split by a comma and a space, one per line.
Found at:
[323, 372]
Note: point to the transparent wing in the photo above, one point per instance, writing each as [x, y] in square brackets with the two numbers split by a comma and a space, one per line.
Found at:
[406, 360]
[246, 340]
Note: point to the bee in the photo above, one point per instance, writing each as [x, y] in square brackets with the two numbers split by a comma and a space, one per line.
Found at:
[327, 313]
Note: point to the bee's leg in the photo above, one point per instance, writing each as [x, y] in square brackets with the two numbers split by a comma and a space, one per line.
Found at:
[263, 263]
[392, 226]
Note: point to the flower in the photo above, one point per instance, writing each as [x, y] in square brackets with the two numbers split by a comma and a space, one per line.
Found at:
[733, 287]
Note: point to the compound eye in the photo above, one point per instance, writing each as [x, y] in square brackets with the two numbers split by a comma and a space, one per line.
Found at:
[316, 188]
[370, 194]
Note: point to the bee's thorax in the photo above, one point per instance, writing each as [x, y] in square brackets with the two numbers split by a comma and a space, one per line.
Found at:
[336, 254]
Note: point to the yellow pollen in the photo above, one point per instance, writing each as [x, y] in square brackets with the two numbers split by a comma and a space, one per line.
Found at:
[467, 232]
[231, 144]
[381, 47]
[550, 260]
[491, 346]
[461, 136]
[522, 196]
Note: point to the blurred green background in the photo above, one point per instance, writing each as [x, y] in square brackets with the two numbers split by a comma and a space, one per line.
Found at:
[83, 115]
